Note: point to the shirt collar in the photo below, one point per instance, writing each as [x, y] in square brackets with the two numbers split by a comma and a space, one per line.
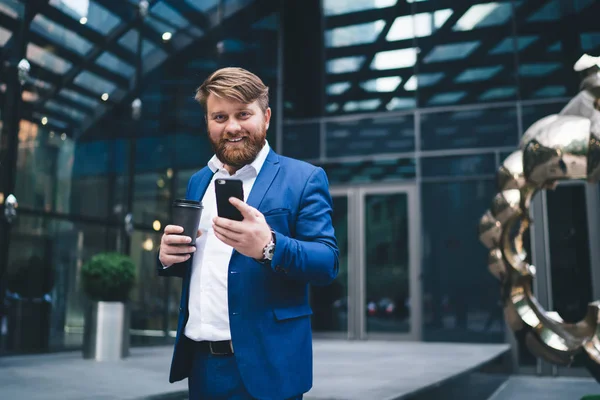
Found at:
[215, 164]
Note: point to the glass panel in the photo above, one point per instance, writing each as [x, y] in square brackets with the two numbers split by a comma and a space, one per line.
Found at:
[60, 35]
[94, 83]
[533, 113]
[115, 64]
[96, 168]
[330, 303]
[43, 178]
[129, 41]
[546, 62]
[46, 313]
[5, 35]
[231, 7]
[47, 60]
[168, 13]
[494, 127]
[149, 296]
[151, 197]
[473, 70]
[353, 34]
[12, 8]
[370, 136]
[79, 98]
[569, 251]
[478, 164]
[371, 171]
[332, 7]
[387, 263]
[460, 296]
[60, 108]
[570, 263]
[98, 18]
[302, 141]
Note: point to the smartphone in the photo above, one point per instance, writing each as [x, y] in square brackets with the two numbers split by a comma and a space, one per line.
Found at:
[224, 189]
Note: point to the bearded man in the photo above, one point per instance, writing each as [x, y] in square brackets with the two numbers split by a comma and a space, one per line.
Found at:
[244, 327]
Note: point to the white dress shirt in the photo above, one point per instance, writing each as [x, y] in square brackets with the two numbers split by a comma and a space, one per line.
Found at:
[208, 307]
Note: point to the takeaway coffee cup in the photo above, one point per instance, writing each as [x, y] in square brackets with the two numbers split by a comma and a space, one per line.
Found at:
[186, 213]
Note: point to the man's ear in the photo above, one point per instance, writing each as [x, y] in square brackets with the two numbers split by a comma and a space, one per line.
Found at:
[267, 117]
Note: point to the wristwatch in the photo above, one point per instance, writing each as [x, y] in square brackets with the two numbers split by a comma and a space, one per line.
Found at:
[269, 250]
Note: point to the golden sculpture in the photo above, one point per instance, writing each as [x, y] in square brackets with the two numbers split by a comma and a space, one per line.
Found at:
[557, 147]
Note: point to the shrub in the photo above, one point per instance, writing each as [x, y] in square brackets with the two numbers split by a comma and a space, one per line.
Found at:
[108, 277]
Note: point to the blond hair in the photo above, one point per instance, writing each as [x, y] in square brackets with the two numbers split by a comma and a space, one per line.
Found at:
[234, 84]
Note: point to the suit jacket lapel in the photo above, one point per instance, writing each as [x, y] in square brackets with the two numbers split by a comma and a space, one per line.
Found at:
[264, 180]
[198, 192]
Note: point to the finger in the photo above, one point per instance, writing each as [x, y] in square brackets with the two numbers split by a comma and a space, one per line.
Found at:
[229, 224]
[198, 234]
[231, 237]
[246, 210]
[173, 229]
[176, 239]
[170, 260]
[175, 250]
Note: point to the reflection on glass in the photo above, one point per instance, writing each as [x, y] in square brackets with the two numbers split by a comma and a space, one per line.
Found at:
[70, 112]
[44, 300]
[98, 18]
[330, 303]
[168, 13]
[302, 141]
[370, 136]
[387, 263]
[43, 178]
[333, 7]
[479, 164]
[94, 83]
[5, 35]
[149, 295]
[569, 243]
[470, 128]
[460, 297]
[58, 34]
[79, 98]
[115, 64]
[353, 34]
[46, 59]
[569, 251]
[129, 41]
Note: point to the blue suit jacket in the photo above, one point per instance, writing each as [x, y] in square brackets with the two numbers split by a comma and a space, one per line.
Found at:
[269, 312]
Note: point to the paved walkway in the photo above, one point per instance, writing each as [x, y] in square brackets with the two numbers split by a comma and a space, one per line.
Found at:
[343, 370]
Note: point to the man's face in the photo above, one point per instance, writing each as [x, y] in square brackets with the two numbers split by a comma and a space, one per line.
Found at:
[237, 131]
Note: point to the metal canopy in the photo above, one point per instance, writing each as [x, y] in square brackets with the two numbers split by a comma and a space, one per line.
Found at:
[83, 52]
[402, 54]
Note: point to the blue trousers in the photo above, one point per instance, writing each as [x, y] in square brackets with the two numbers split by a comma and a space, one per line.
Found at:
[217, 378]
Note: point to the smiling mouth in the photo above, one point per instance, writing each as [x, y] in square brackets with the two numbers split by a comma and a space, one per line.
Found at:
[235, 140]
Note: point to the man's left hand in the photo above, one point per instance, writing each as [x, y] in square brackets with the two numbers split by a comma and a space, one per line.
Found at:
[249, 236]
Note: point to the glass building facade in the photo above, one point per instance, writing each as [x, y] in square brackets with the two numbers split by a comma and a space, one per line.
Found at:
[409, 105]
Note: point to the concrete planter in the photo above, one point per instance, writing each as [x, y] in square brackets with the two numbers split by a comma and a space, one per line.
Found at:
[106, 333]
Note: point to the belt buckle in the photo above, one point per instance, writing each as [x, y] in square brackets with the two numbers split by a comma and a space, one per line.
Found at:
[214, 353]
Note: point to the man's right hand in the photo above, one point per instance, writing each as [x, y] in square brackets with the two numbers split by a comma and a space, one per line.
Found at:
[174, 247]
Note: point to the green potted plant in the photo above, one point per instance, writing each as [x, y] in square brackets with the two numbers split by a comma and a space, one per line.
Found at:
[107, 279]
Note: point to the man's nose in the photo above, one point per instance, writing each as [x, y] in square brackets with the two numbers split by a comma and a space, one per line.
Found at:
[233, 126]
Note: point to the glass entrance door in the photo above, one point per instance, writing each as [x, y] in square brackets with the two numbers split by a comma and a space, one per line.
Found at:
[377, 292]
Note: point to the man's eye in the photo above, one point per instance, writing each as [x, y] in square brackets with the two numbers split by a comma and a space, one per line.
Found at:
[244, 114]
[219, 118]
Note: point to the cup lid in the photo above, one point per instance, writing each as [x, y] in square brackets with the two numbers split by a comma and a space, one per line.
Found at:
[187, 202]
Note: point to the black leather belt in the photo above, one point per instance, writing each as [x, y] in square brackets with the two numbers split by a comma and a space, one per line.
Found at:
[220, 348]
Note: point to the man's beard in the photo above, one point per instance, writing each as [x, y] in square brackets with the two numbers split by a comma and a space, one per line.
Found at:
[240, 155]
